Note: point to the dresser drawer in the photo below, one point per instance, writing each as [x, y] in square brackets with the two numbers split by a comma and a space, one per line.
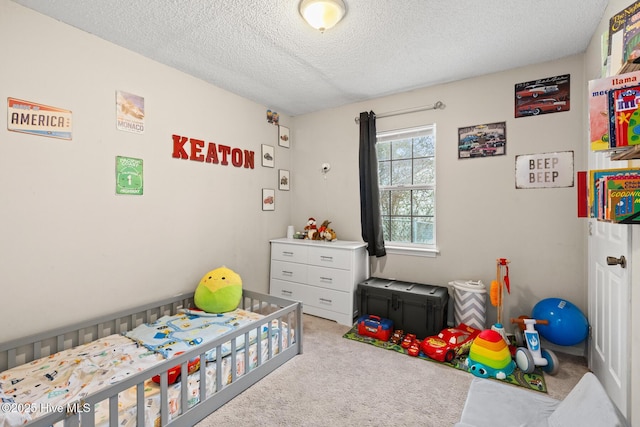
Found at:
[288, 290]
[330, 257]
[325, 299]
[331, 278]
[328, 299]
[289, 271]
[293, 253]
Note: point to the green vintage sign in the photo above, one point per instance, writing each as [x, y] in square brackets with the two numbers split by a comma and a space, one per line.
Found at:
[128, 175]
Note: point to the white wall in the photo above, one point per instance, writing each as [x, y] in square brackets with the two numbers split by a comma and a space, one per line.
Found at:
[481, 216]
[69, 241]
[70, 248]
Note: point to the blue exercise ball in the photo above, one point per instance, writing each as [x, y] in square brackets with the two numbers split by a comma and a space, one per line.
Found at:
[567, 324]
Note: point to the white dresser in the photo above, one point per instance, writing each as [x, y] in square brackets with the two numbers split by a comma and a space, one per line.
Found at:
[323, 275]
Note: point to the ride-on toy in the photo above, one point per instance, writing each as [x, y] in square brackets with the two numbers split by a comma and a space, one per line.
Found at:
[527, 358]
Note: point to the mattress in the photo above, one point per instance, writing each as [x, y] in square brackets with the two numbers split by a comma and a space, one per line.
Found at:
[47, 384]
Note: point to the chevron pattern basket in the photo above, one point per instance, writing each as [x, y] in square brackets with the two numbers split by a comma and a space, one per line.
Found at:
[469, 303]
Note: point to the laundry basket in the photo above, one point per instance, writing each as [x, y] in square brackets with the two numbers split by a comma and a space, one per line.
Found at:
[469, 304]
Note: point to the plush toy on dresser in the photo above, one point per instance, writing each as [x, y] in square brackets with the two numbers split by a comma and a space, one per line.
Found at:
[329, 235]
[310, 229]
[219, 291]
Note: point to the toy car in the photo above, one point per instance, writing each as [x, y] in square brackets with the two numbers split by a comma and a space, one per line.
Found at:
[536, 90]
[542, 106]
[174, 373]
[449, 343]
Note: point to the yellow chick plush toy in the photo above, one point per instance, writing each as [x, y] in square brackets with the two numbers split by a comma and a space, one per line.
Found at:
[219, 291]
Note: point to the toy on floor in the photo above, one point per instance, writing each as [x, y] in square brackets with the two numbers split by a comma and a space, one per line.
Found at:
[408, 341]
[219, 291]
[567, 324]
[414, 348]
[527, 358]
[449, 343]
[489, 356]
[373, 326]
[397, 336]
[497, 294]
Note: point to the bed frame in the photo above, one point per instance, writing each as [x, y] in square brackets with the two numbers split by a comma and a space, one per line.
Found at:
[27, 349]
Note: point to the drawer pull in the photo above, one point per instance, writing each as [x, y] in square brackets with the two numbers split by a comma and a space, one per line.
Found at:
[287, 273]
[326, 258]
[286, 253]
[286, 292]
[325, 300]
[326, 279]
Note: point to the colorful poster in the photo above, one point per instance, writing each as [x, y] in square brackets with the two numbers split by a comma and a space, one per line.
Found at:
[542, 96]
[38, 119]
[128, 176]
[482, 140]
[129, 112]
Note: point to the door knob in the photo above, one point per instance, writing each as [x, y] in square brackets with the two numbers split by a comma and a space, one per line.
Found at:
[622, 261]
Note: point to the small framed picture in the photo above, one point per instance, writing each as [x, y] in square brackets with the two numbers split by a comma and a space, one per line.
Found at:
[283, 136]
[268, 156]
[268, 199]
[283, 180]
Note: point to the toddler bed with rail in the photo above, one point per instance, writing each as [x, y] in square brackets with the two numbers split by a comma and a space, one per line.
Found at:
[164, 363]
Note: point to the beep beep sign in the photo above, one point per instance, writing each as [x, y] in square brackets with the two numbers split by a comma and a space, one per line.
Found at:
[546, 170]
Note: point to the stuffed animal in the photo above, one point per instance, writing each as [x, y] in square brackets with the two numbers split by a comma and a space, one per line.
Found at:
[219, 291]
[329, 235]
[311, 229]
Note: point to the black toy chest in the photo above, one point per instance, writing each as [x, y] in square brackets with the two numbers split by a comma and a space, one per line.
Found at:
[413, 307]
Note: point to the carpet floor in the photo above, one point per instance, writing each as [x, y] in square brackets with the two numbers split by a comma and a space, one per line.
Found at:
[340, 382]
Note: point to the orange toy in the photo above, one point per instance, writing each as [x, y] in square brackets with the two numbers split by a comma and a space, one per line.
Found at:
[496, 292]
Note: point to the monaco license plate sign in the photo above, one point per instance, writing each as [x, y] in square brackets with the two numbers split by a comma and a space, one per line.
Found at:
[38, 119]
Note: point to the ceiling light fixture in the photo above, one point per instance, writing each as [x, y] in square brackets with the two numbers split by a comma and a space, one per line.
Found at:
[322, 14]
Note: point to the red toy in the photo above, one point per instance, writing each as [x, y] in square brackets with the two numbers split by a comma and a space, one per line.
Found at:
[414, 348]
[174, 373]
[408, 340]
[449, 343]
[370, 325]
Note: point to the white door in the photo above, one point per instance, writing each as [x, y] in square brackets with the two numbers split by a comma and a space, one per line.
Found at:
[609, 300]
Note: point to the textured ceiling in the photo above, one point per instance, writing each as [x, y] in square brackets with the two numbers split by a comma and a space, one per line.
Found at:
[264, 51]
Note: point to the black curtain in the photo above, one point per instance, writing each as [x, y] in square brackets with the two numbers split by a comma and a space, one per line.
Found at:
[370, 219]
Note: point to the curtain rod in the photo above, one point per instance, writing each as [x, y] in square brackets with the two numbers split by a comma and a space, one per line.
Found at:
[438, 105]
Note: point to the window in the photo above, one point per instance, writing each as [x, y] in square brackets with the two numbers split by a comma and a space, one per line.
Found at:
[407, 179]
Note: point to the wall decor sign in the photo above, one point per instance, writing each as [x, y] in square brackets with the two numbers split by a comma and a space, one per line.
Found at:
[482, 140]
[195, 149]
[38, 119]
[268, 156]
[129, 112]
[283, 180]
[283, 136]
[268, 199]
[129, 176]
[545, 170]
[542, 96]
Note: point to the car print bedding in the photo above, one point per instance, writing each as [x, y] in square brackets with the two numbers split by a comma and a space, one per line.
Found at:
[30, 390]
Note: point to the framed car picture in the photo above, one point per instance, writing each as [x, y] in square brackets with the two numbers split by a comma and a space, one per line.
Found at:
[283, 180]
[283, 136]
[542, 96]
[268, 199]
[485, 140]
[268, 156]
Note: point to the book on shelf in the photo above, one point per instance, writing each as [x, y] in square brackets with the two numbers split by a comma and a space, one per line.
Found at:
[624, 116]
[598, 193]
[599, 106]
